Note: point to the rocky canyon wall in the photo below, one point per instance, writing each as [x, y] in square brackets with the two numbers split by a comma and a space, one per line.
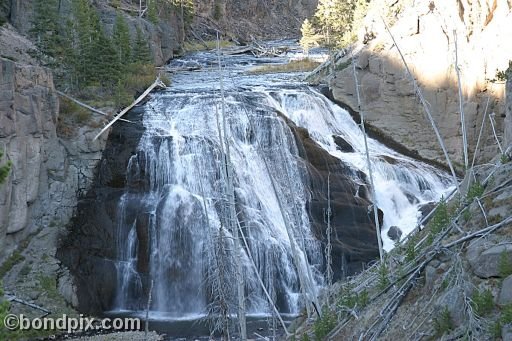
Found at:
[47, 172]
[245, 20]
[426, 36]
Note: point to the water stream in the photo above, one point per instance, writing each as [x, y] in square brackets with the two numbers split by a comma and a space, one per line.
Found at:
[176, 178]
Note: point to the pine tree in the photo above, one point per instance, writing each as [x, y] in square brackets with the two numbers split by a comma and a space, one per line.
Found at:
[309, 38]
[335, 18]
[141, 52]
[4, 11]
[45, 26]
[4, 170]
[121, 40]
[153, 11]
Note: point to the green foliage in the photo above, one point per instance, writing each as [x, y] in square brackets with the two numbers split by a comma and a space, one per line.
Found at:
[45, 27]
[410, 250]
[443, 322]
[153, 11]
[217, 10]
[440, 220]
[383, 277]
[324, 324]
[504, 159]
[121, 40]
[506, 314]
[309, 37]
[4, 170]
[353, 300]
[482, 302]
[15, 258]
[504, 265]
[305, 337]
[4, 309]
[475, 191]
[4, 11]
[141, 52]
[504, 75]
[495, 330]
[466, 215]
[339, 20]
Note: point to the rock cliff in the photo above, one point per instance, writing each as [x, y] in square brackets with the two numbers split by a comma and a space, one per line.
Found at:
[508, 118]
[245, 20]
[427, 39]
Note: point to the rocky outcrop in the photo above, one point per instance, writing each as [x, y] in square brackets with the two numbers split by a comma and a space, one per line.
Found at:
[426, 38]
[508, 118]
[46, 171]
[354, 239]
[245, 20]
[89, 250]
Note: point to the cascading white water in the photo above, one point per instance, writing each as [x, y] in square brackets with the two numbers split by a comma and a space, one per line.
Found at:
[179, 162]
[402, 184]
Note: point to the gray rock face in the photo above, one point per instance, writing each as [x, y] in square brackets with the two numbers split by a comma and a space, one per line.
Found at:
[426, 40]
[263, 19]
[47, 172]
[505, 296]
[508, 118]
[484, 257]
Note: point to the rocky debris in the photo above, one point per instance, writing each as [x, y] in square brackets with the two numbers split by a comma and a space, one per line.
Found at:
[505, 296]
[426, 39]
[394, 233]
[485, 256]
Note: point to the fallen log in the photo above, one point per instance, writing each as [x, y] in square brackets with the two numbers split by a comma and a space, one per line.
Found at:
[12, 298]
[157, 83]
[86, 106]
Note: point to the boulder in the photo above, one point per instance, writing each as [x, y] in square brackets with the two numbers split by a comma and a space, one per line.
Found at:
[484, 257]
[505, 296]
[394, 233]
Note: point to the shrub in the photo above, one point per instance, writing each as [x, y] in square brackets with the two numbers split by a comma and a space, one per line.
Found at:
[324, 324]
[482, 302]
[443, 322]
[383, 277]
[504, 265]
[475, 191]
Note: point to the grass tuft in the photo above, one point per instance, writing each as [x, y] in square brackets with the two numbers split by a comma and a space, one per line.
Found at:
[299, 65]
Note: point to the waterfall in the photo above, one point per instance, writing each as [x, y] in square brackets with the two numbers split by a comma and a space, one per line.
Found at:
[174, 181]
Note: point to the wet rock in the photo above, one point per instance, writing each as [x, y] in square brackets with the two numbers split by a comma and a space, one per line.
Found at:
[355, 241]
[343, 145]
[505, 296]
[426, 209]
[394, 233]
